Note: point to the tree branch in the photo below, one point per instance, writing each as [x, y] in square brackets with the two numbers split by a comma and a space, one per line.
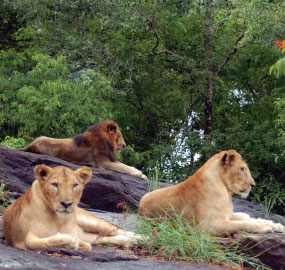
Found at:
[158, 40]
[232, 52]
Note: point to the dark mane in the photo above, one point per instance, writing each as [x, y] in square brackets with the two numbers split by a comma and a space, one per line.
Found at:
[110, 151]
[80, 140]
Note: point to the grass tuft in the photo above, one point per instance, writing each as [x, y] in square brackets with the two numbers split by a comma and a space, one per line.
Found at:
[172, 237]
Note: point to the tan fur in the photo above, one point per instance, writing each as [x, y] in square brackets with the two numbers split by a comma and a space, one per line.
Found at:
[205, 198]
[47, 215]
[96, 147]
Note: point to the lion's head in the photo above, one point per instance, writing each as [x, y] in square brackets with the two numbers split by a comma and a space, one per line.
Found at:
[105, 136]
[115, 135]
[62, 187]
[236, 174]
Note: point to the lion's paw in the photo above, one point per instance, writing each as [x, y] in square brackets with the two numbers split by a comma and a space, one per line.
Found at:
[69, 241]
[144, 177]
[139, 174]
[279, 227]
[265, 226]
[84, 246]
[74, 243]
[132, 237]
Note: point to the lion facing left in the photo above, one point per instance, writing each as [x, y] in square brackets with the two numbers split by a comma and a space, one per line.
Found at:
[47, 215]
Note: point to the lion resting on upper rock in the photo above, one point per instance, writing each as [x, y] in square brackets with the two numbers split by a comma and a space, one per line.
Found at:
[47, 214]
[97, 147]
[205, 198]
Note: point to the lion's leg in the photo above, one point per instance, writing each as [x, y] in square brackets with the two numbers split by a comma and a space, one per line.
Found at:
[240, 216]
[120, 167]
[98, 231]
[92, 224]
[252, 225]
[119, 240]
[57, 240]
[277, 227]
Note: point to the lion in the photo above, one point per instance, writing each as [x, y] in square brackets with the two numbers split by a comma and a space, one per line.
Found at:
[47, 215]
[96, 147]
[205, 198]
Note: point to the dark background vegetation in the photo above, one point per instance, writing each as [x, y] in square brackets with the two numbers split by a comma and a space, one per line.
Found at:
[183, 79]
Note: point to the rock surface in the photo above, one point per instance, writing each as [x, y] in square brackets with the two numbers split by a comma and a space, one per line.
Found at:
[109, 191]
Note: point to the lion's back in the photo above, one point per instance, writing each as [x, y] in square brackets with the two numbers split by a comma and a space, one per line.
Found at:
[154, 203]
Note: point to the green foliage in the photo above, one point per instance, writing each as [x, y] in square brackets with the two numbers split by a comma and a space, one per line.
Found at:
[12, 142]
[280, 121]
[278, 69]
[173, 237]
[270, 193]
[4, 202]
[50, 100]
[129, 154]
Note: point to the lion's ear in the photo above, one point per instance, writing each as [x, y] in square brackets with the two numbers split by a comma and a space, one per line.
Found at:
[84, 173]
[111, 128]
[41, 172]
[229, 156]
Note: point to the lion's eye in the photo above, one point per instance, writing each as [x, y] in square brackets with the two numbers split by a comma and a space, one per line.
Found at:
[243, 169]
[75, 185]
[54, 185]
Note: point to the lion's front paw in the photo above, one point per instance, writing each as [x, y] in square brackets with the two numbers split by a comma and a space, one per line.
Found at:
[143, 177]
[129, 239]
[265, 226]
[74, 243]
[276, 227]
[84, 246]
[139, 174]
[132, 236]
[279, 227]
[69, 241]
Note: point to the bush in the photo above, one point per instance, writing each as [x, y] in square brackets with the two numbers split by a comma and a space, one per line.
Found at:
[12, 142]
[270, 193]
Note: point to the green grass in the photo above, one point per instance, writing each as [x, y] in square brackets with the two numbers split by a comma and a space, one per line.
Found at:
[172, 237]
[4, 202]
[155, 183]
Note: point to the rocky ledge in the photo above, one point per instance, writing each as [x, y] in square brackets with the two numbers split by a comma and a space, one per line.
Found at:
[111, 192]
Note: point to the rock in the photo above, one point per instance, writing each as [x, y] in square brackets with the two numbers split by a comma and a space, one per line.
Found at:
[270, 247]
[106, 191]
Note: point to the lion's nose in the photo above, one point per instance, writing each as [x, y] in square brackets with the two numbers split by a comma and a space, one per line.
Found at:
[65, 205]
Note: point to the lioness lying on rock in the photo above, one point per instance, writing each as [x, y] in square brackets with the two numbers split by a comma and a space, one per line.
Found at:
[206, 197]
[97, 147]
[47, 215]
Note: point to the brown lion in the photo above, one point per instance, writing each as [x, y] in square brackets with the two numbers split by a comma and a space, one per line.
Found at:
[97, 147]
[205, 198]
[47, 215]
